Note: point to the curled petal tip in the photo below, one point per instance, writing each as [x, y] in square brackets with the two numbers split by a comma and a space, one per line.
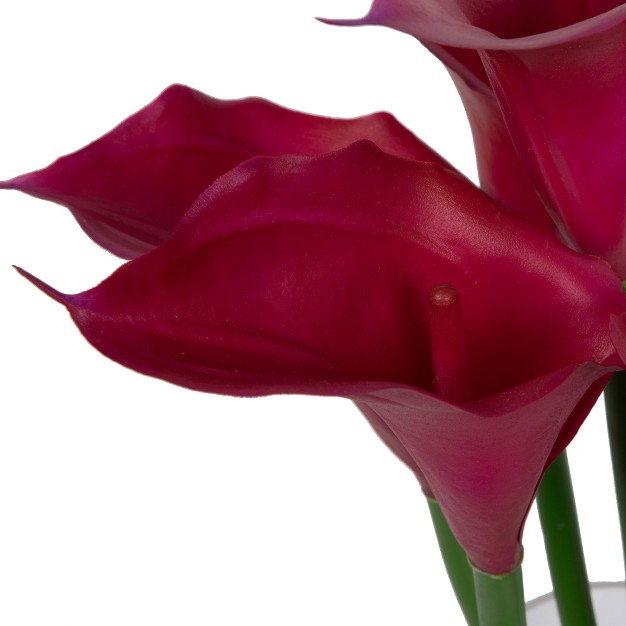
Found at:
[62, 298]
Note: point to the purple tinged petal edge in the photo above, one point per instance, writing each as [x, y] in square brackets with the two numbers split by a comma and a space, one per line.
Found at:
[462, 34]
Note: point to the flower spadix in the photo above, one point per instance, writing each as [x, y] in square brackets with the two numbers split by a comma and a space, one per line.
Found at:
[316, 274]
[452, 377]
[129, 189]
[544, 85]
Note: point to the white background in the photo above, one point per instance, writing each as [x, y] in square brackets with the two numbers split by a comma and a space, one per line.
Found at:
[127, 501]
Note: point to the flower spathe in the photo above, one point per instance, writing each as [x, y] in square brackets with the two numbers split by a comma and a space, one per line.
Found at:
[556, 70]
[312, 275]
[129, 188]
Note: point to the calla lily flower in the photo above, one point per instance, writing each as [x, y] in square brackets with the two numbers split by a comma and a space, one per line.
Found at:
[555, 69]
[129, 188]
[316, 275]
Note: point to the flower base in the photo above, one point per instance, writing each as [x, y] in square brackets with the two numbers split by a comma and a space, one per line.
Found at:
[609, 602]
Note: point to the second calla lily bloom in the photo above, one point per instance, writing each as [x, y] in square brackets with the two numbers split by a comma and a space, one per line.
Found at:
[552, 72]
[129, 188]
[316, 275]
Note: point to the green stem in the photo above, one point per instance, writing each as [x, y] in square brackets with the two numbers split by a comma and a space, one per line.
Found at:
[500, 598]
[458, 567]
[561, 535]
[615, 402]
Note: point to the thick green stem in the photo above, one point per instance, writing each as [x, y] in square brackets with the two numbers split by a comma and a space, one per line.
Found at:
[615, 403]
[561, 535]
[458, 567]
[500, 598]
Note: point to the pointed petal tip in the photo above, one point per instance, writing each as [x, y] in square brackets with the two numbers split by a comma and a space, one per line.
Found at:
[19, 183]
[342, 22]
[59, 297]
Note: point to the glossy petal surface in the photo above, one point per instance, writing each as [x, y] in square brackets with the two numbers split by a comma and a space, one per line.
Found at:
[556, 69]
[483, 461]
[501, 171]
[565, 108]
[129, 189]
[311, 275]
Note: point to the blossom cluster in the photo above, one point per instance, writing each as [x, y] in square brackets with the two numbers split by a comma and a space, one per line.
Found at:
[276, 252]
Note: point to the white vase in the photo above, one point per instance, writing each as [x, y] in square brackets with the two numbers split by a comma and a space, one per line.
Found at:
[609, 603]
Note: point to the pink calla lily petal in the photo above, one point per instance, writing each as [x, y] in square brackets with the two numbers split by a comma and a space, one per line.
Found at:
[556, 70]
[312, 275]
[501, 172]
[564, 108]
[129, 189]
[487, 25]
[394, 444]
[483, 461]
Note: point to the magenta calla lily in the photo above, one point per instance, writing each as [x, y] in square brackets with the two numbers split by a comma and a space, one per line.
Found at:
[129, 188]
[556, 70]
[300, 274]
